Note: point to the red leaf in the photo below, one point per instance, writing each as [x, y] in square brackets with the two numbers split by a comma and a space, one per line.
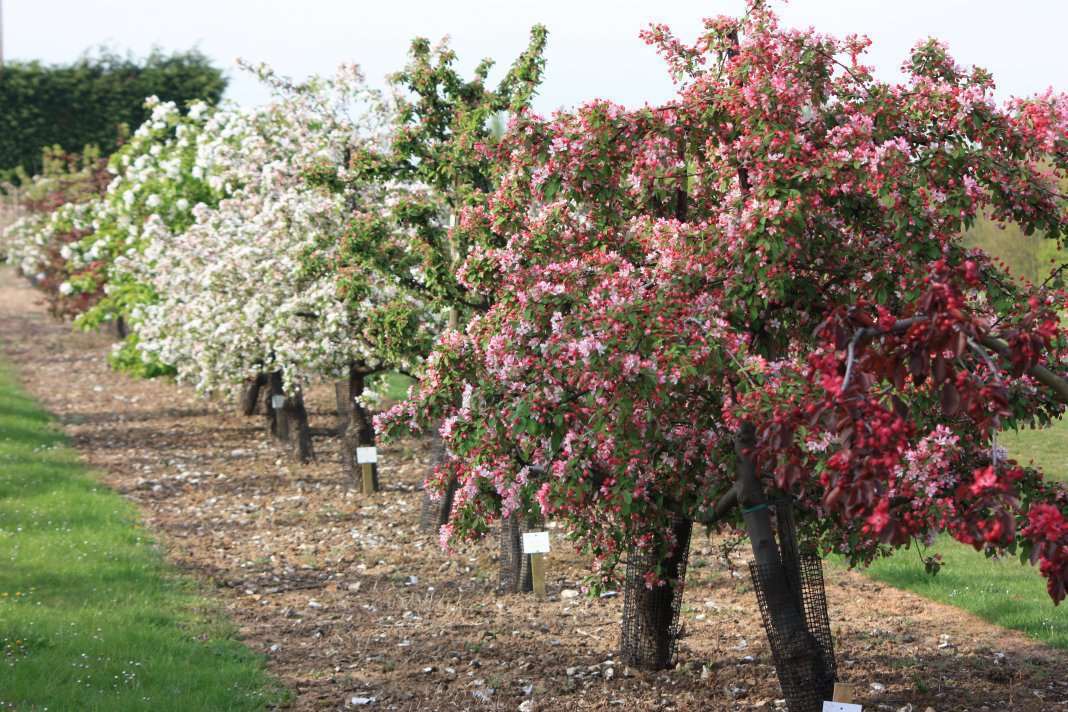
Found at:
[939, 369]
[919, 365]
[960, 344]
[950, 399]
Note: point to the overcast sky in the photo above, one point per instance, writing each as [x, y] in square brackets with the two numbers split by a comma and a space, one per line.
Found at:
[593, 49]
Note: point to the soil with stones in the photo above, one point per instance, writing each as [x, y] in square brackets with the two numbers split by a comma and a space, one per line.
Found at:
[354, 608]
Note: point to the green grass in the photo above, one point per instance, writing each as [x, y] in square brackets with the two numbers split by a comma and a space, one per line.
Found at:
[1003, 592]
[393, 386]
[91, 618]
[1048, 448]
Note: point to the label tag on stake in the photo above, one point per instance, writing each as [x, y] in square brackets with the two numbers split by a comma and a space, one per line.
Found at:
[277, 401]
[366, 455]
[841, 707]
[536, 543]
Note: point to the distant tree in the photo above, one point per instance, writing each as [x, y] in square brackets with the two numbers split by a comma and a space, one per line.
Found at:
[84, 103]
[1028, 257]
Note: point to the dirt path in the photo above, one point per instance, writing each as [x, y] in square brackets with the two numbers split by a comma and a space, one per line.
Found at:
[348, 600]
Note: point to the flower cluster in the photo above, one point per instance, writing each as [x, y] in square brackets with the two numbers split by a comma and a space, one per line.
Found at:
[55, 203]
[249, 286]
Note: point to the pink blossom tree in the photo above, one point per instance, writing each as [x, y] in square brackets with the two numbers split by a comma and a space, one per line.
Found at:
[758, 291]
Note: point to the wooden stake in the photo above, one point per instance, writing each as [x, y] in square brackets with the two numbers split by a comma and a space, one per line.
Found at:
[844, 692]
[367, 477]
[537, 572]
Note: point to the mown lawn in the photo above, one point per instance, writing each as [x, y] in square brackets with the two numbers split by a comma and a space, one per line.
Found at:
[1048, 448]
[1002, 592]
[392, 386]
[91, 618]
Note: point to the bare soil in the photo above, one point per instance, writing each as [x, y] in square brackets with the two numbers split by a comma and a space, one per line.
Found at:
[354, 608]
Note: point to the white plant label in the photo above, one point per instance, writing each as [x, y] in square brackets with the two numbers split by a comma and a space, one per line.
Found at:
[366, 455]
[277, 401]
[536, 543]
[841, 707]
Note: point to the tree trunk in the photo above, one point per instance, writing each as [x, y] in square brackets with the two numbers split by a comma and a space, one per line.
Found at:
[651, 615]
[804, 664]
[355, 423]
[277, 425]
[435, 512]
[250, 394]
[344, 410]
[296, 417]
[117, 328]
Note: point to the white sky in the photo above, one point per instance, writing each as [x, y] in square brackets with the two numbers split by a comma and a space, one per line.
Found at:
[593, 49]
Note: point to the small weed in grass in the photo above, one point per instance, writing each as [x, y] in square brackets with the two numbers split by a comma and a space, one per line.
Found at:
[90, 616]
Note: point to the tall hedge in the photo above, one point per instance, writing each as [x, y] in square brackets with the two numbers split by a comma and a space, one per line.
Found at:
[85, 102]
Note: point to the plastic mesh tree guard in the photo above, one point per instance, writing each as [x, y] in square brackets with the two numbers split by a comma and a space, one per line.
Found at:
[515, 574]
[650, 629]
[799, 636]
[789, 548]
[435, 512]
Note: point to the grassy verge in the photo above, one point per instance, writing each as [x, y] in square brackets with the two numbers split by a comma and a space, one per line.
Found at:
[393, 386]
[1002, 592]
[1048, 448]
[90, 616]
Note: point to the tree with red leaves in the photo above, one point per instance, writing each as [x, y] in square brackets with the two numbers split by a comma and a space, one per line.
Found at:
[759, 291]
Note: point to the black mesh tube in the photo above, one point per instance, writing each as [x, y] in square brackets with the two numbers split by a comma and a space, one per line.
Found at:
[799, 637]
[435, 512]
[650, 630]
[515, 574]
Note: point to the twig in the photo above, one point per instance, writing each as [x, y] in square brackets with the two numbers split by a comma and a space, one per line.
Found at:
[849, 359]
[997, 376]
[1040, 373]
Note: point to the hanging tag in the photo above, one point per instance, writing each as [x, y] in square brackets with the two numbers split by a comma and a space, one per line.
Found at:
[536, 543]
[277, 401]
[366, 455]
[841, 707]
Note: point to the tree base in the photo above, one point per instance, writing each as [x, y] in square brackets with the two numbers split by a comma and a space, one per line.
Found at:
[801, 643]
[250, 394]
[515, 575]
[650, 630]
[435, 512]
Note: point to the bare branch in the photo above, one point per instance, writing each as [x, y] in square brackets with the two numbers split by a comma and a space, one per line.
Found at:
[1043, 375]
[720, 509]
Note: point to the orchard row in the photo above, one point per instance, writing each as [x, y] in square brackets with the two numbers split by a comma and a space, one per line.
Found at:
[617, 318]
